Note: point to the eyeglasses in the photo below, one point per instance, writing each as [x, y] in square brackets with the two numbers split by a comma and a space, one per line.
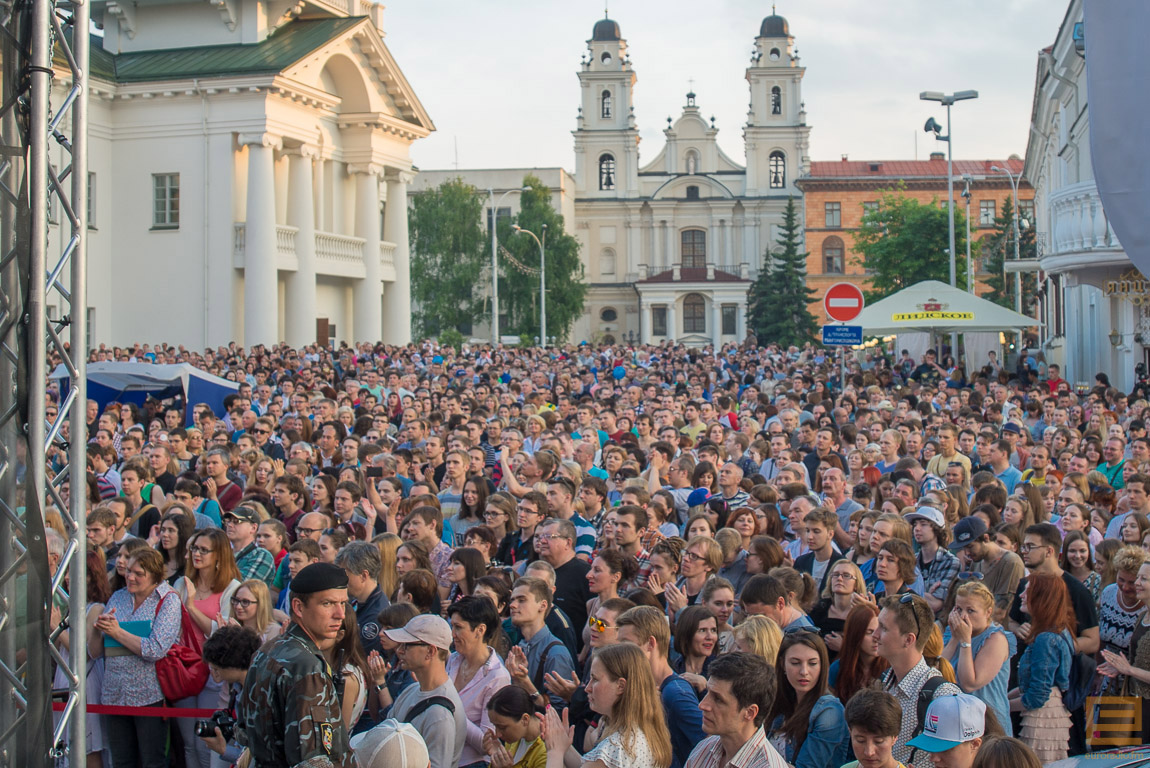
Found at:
[908, 599]
[239, 603]
[1027, 547]
[969, 576]
[598, 624]
[691, 556]
[405, 646]
[262, 431]
[201, 550]
[539, 536]
[843, 575]
[492, 514]
[300, 530]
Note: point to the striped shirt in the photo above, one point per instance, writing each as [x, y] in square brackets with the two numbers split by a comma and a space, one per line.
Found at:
[756, 753]
[906, 691]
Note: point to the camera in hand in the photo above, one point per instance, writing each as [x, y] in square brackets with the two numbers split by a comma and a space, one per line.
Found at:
[221, 719]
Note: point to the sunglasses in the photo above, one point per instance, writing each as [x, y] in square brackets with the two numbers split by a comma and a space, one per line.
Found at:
[598, 624]
[908, 599]
[969, 576]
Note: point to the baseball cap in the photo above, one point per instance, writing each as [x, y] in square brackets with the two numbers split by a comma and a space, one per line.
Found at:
[926, 513]
[950, 721]
[391, 744]
[698, 496]
[242, 513]
[424, 628]
[967, 529]
[1011, 427]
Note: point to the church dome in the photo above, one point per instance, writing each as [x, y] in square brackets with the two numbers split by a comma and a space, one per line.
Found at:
[607, 31]
[774, 26]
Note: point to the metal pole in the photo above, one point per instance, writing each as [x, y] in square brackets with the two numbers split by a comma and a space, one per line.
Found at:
[543, 287]
[950, 215]
[969, 263]
[1017, 274]
[494, 271]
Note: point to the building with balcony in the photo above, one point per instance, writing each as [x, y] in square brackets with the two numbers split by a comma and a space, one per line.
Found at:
[249, 165]
[837, 194]
[1091, 298]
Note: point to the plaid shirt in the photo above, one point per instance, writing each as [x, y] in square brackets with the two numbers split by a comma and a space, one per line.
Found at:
[943, 570]
[906, 691]
[256, 563]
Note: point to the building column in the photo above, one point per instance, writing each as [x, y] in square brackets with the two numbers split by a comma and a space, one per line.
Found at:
[716, 323]
[367, 310]
[397, 312]
[634, 240]
[668, 245]
[741, 320]
[299, 302]
[672, 325]
[646, 322]
[261, 292]
[660, 247]
[728, 253]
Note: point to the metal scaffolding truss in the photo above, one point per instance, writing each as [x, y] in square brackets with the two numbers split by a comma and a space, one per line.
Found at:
[43, 585]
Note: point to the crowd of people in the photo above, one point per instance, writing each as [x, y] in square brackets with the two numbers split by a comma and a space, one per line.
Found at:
[614, 557]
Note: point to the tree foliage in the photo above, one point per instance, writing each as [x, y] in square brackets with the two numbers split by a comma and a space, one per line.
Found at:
[999, 245]
[779, 297]
[902, 242]
[519, 274]
[449, 253]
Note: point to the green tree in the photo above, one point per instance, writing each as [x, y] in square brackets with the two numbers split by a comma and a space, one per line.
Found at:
[449, 253]
[902, 242]
[519, 267]
[779, 297]
[995, 247]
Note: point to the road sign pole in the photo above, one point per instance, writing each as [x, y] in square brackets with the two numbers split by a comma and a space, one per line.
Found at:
[843, 385]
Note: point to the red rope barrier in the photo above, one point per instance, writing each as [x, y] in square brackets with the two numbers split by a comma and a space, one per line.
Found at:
[109, 709]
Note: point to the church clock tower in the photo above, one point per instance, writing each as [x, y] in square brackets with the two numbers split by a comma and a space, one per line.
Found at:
[776, 135]
[606, 138]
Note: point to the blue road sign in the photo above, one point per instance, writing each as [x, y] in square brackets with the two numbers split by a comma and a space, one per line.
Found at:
[842, 335]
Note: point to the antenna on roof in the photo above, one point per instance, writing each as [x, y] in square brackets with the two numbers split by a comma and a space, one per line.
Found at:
[605, 8]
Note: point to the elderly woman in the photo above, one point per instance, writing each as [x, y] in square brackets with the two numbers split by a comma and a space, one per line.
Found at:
[140, 623]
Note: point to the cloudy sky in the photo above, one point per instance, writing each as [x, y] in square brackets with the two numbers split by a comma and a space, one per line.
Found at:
[499, 76]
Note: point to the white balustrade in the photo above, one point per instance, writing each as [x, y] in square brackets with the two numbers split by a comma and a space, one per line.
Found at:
[336, 255]
[1078, 222]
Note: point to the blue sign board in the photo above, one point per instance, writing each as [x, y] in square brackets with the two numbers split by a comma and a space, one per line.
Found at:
[842, 335]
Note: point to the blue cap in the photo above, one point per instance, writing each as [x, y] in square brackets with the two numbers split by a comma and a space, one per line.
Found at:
[698, 496]
[438, 359]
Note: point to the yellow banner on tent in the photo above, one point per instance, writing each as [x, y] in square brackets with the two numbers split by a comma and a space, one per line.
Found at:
[905, 317]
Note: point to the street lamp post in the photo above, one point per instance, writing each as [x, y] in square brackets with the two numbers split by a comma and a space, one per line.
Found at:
[1014, 179]
[495, 260]
[969, 263]
[947, 100]
[542, 279]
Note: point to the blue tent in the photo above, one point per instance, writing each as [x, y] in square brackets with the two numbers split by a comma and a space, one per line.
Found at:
[135, 382]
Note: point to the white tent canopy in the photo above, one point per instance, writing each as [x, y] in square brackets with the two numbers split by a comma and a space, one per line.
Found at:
[931, 306]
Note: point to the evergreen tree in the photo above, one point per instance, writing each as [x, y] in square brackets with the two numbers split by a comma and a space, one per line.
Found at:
[995, 247]
[519, 267]
[902, 242]
[779, 297]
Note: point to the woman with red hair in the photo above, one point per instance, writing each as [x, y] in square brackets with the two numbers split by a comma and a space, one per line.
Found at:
[858, 665]
[1044, 669]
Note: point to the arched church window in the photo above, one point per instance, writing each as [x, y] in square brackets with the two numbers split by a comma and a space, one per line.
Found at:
[607, 262]
[833, 255]
[694, 314]
[694, 243]
[605, 104]
[776, 100]
[777, 167]
[606, 172]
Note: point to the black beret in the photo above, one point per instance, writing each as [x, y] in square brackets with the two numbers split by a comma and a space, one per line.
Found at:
[318, 577]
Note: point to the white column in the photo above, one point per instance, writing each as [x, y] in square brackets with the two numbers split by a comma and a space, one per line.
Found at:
[728, 253]
[647, 313]
[260, 261]
[660, 248]
[397, 312]
[299, 302]
[672, 325]
[368, 301]
[716, 323]
[634, 245]
[749, 250]
[668, 245]
[741, 320]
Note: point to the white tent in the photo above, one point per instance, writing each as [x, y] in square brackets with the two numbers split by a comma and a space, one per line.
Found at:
[931, 306]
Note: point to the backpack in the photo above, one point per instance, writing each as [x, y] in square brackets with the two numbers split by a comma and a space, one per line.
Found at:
[182, 672]
[1082, 668]
[925, 696]
[542, 670]
[426, 704]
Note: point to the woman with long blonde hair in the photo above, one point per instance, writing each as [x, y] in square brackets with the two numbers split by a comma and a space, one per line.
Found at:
[760, 636]
[633, 732]
[389, 544]
[252, 609]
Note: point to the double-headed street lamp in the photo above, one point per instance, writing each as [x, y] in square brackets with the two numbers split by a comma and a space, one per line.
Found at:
[542, 279]
[495, 260]
[1014, 179]
[947, 100]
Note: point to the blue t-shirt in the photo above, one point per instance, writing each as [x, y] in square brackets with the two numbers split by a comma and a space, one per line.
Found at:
[684, 718]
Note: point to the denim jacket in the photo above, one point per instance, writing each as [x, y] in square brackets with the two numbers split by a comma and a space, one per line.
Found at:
[1045, 663]
[826, 741]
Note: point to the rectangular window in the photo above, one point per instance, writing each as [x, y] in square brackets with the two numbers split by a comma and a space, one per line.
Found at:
[1026, 211]
[694, 242]
[659, 321]
[694, 314]
[834, 214]
[504, 214]
[165, 201]
[730, 319]
[986, 213]
[870, 207]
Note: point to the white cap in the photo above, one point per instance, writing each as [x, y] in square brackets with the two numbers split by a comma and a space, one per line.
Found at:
[926, 513]
[391, 744]
[950, 721]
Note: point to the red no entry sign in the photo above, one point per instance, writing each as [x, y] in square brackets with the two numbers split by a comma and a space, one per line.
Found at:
[843, 302]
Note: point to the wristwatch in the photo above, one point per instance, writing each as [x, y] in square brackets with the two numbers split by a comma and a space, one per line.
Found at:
[964, 645]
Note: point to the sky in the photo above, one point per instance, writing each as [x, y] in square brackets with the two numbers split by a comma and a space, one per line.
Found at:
[498, 77]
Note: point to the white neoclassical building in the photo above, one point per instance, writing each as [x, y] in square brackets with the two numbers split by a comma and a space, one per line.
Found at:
[1093, 301]
[248, 174]
[670, 245]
